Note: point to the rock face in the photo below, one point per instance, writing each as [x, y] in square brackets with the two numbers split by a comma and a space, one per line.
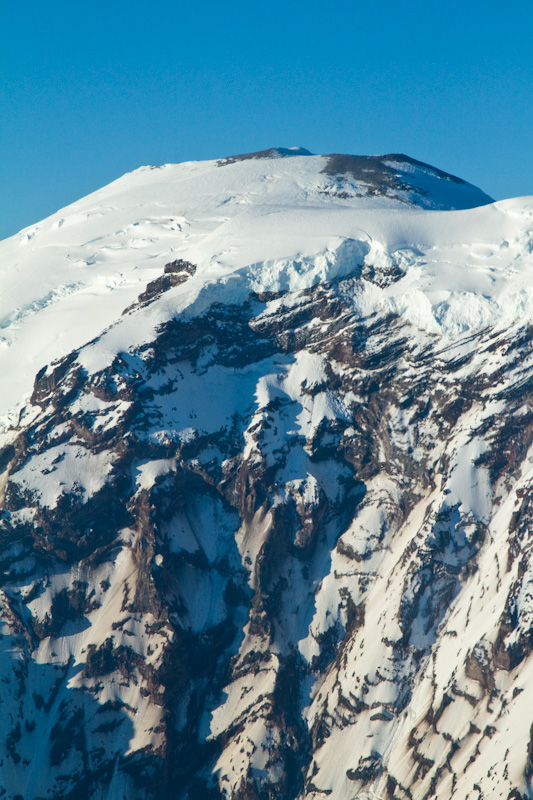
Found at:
[267, 538]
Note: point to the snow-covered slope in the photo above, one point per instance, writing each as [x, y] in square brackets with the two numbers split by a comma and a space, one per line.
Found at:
[65, 279]
[266, 479]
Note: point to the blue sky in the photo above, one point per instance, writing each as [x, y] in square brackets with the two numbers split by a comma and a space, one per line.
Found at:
[89, 91]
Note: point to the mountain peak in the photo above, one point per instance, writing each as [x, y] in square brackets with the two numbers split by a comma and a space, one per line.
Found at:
[396, 175]
[265, 522]
[271, 152]
[407, 177]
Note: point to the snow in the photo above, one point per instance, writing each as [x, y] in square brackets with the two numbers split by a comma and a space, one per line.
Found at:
[147, 472]
[255, 225]
[76, 471]
[202, 525]
[241, 696]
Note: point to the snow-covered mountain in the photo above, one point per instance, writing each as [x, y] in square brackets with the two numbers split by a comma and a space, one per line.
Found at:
[266, 472]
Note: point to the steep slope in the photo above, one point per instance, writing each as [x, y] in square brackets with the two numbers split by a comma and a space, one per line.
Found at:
[267, 534]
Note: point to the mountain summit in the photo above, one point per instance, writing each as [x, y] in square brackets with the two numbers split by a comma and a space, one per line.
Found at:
[266, 482]
[395, 176]
[66, 278]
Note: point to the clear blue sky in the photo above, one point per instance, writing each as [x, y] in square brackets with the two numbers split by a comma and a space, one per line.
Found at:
[91, 90]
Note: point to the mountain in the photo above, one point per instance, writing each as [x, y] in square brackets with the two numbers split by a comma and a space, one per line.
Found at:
[266, 480]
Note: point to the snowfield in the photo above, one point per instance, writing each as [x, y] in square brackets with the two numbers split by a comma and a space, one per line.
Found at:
[266, 224]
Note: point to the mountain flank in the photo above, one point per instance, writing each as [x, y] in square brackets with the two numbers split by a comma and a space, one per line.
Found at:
[266, 469]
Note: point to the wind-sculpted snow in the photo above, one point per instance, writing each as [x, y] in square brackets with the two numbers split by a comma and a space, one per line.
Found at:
[265, 526]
